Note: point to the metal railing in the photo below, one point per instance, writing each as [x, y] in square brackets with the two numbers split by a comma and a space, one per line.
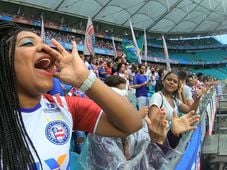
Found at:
[191, 142]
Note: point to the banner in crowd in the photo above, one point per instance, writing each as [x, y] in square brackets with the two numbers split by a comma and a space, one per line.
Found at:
[89, 41]
[131, 51]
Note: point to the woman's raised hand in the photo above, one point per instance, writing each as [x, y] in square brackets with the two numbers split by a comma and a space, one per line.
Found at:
[143, 111]
[71, 68]
[184, 123]
[158, 126]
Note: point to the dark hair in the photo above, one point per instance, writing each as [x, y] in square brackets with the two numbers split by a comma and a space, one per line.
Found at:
[182, 75]
[160, 72]
[199, 74]
[114, 81]
[170, 72]
[109, 63]
[15, 144]
[189, 76]
[119, 66]
[159, 85]
[140, 66]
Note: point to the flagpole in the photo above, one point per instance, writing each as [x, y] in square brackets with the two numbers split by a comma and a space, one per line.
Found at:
[114, 48]
[42, 34]
[145, 45]
[166, 53]
[135, 42]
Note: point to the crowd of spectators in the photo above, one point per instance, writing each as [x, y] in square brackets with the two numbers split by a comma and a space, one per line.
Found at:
[189, 91]
[65, 35]
[104, 43]
[140, 82]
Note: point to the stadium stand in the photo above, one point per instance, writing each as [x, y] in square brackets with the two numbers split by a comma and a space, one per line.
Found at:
[202, 55]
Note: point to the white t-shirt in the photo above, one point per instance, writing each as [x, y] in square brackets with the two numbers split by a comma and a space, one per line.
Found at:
[50, 124]
[187, 91]
[159, 99]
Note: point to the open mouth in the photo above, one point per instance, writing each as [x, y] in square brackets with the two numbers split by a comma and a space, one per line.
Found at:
[45, 64]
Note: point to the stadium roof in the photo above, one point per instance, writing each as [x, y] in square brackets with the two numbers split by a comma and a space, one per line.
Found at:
[160, 16]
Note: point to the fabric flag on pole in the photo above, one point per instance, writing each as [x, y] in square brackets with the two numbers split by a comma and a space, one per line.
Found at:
[114, 48]
[145, 45]
[135, 42]
[166, 53]
[140, 43]
[89, 41]
[131, 51]
[42, 34]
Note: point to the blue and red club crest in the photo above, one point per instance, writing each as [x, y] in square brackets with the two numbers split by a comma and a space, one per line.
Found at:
[57, 132]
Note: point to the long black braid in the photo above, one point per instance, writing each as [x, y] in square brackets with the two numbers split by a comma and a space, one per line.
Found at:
[15, 145]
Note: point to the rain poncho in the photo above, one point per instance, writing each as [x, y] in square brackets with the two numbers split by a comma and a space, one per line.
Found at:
[107, 153]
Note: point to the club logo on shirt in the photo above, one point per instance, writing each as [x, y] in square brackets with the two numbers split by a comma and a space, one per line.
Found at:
[57, 132]
[51, 107]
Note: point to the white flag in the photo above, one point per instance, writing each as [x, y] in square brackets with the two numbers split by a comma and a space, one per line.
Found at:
[135, 42]
[166, 53]
[89, 41]
[42, 34]
[114, 48]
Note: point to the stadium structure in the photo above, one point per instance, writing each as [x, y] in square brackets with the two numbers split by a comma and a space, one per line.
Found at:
[189, 27]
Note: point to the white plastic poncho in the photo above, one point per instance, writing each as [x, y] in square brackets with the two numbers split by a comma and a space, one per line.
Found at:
[105, 153]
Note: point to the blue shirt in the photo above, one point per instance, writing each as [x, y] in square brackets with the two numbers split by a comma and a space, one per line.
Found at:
[139, 79]
[57, 88]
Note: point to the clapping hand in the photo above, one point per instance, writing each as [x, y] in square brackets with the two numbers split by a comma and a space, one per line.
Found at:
[157, 126]
[198, 94]
[184, 123]
[143, 111]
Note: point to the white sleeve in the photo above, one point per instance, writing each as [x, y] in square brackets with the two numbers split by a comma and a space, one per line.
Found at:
[187, 93]
[156, 99]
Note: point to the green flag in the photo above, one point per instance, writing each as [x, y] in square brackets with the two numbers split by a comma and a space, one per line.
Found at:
[140, 43]
[130, 50]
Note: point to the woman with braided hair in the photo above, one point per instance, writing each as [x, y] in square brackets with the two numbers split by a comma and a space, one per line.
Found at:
[35, 127]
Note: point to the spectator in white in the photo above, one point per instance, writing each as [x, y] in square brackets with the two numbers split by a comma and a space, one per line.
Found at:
[87, 60]
[166, 99]
[182, 91]
[190, 92]
[139, 150]
[200, 82]
[153, 76]
[93, 66]
[148, 72]
[122, 72]
[131, 70]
